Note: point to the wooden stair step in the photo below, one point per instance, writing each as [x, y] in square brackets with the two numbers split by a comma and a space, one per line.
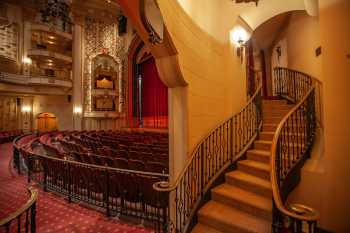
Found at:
[259, 155]
[277, 106]
[249, 182]
[201, 228]
[262, 145]
[266, 135]
[269, 126]
[272, 120]
[282, 101]
[255, 168]
[230, 220]
[243, 200]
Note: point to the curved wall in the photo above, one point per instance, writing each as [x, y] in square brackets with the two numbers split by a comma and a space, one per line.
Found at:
[215, 76]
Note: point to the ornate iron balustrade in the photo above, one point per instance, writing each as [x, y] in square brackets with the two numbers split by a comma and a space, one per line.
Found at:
[23, 216]
[224, 146]
[117, 191]
[292, 144]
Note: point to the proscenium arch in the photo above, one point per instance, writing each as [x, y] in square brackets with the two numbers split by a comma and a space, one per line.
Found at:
[166, 57]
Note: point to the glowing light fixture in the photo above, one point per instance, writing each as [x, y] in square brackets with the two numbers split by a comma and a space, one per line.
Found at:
[77, 110]
[27, 60]
[26, 109]
[239, 36]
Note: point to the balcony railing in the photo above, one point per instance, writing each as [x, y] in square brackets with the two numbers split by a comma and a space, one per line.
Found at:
[23, 219]
[35, 80]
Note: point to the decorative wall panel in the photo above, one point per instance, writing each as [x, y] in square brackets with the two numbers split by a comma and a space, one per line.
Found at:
[8, 113]
[9, 41]
[101, 38]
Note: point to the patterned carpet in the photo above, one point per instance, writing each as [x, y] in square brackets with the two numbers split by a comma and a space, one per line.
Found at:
[54, 214]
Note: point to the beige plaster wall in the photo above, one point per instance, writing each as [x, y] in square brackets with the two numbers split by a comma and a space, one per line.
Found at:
[215, 77]
[57, 105]
[325, 184]
[303, 37]
[335, 37]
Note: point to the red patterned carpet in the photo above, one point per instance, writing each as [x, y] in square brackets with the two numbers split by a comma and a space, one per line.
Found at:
[54, 214]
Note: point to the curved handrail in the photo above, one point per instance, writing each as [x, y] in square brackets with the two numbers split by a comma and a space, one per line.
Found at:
[164, 186]
[309, 92]
[275, 191]
[33, 198]
[222, 147]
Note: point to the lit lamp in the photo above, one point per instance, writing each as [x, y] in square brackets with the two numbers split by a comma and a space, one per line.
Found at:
[77, 111]
[239, 36]
[26, 65]
[26, 109]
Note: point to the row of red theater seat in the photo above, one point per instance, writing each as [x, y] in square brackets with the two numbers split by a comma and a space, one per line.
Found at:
[7, 136]
[122, 163]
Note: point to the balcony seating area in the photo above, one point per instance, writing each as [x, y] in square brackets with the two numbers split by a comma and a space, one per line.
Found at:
[50, 162]
[118, 149]
[7, 136]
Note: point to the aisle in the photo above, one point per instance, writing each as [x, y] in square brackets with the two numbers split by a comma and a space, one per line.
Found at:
[54, 214]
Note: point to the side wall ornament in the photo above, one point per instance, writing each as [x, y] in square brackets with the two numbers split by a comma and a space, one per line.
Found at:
[247, 1]
[152, 20]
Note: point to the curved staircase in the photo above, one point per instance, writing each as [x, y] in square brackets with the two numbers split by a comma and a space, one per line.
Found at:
[243, 204]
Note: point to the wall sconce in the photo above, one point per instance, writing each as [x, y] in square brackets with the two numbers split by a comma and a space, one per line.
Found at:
[77, 110]
[26, 109]
[239, 36]
[27, 61]
[26, 65]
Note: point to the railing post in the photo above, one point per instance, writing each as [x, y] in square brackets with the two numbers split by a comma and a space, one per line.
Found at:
[69, 183]
[203, 169]
[29, 168]
[32, 218]
[107, 194]
[232, 140]
[294, 88]
[45, 175]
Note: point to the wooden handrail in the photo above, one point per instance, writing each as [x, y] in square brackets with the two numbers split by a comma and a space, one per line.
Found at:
[275, 190]
[164, 186]
[33, 198]
[274, 178]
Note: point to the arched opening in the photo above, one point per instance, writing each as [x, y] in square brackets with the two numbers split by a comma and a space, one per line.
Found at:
[46, 122]
[270, 50]
[148, 95]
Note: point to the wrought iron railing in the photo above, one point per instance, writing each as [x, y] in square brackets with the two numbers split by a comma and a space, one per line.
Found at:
[222, 148]
[292, 144]
[22, 220]
[117, 191]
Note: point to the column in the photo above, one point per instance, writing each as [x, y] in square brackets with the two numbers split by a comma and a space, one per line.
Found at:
[77, 74]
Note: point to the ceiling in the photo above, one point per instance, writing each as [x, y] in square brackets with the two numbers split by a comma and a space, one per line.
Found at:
[265, 34]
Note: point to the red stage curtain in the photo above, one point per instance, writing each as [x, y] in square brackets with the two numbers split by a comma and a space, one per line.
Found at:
[154, 97]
